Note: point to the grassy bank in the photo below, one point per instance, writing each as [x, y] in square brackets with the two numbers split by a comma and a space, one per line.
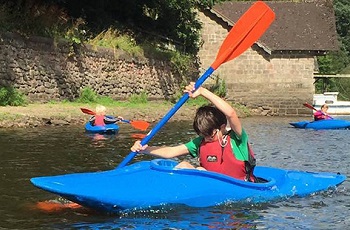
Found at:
[34, 115]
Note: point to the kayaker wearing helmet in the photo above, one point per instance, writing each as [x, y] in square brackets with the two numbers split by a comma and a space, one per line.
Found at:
[218, 150]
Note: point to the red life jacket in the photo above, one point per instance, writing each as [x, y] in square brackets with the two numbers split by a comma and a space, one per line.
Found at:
[99, 120]
[318, 115]
[214, 157]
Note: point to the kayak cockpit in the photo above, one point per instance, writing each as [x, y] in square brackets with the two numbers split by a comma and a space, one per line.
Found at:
[168, 166]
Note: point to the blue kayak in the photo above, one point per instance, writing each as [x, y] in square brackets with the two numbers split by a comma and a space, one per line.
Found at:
[154, 183]
[106, 129]
[322, 124]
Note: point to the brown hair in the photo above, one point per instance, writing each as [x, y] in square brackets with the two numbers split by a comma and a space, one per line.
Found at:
[207, 119]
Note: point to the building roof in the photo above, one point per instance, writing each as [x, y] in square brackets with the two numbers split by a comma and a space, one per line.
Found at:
[297, 27]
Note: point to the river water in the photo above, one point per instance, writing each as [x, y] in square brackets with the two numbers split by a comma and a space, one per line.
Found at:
[27, 153]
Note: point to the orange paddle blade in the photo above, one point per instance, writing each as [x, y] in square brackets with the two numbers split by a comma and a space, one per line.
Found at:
[141, 125]
[259, 17]
[87, 111]
[309, 106]
[49, 206]
[138, 135]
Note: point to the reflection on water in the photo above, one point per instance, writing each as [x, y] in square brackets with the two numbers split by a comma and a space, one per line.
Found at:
[223, 217]
[27, 153]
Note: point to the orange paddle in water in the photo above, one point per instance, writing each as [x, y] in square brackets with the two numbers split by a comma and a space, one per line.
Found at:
[51, 206]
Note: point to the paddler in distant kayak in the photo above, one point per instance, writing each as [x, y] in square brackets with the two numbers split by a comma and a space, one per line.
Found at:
[100, 119]
[322, 113]
[218, 149]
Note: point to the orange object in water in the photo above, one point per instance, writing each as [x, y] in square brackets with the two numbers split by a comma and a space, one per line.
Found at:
[54, 206]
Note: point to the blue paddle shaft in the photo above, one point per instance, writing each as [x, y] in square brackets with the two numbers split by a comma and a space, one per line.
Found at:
[166, 118]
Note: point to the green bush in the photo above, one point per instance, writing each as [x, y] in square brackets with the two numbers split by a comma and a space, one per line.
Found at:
[139, 99]
[113, 38]
[104, 100]
[198, 101]
[11, 96]
[87, 95]
[219, 88]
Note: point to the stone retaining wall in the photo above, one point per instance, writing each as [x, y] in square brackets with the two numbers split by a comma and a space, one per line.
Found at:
[44, 69]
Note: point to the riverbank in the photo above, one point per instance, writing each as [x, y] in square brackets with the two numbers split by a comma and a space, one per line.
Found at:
[36, 115]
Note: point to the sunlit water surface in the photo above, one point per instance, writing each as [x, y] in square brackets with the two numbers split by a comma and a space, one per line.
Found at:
[27, 153]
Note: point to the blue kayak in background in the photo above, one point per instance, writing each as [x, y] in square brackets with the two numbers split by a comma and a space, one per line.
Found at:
[322, 124]
[154, 183]
[106, 129]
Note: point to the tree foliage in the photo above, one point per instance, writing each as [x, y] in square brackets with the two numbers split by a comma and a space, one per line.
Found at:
[30, 17]
[170, 21]
[342, 11]
[338, 62]
[173, 21]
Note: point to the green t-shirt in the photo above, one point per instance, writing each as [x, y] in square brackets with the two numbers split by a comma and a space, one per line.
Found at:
[239, 145]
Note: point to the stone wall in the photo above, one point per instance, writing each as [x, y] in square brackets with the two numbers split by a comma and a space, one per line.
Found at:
[44, 69]
[276, 84]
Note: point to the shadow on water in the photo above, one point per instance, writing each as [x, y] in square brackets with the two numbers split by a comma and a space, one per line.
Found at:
[27, 153]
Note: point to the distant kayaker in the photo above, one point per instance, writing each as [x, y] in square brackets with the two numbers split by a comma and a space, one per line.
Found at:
[322, 113]
[218, 150]
[100, 119]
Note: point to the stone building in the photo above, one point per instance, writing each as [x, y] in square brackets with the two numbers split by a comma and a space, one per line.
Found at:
[276, 74]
